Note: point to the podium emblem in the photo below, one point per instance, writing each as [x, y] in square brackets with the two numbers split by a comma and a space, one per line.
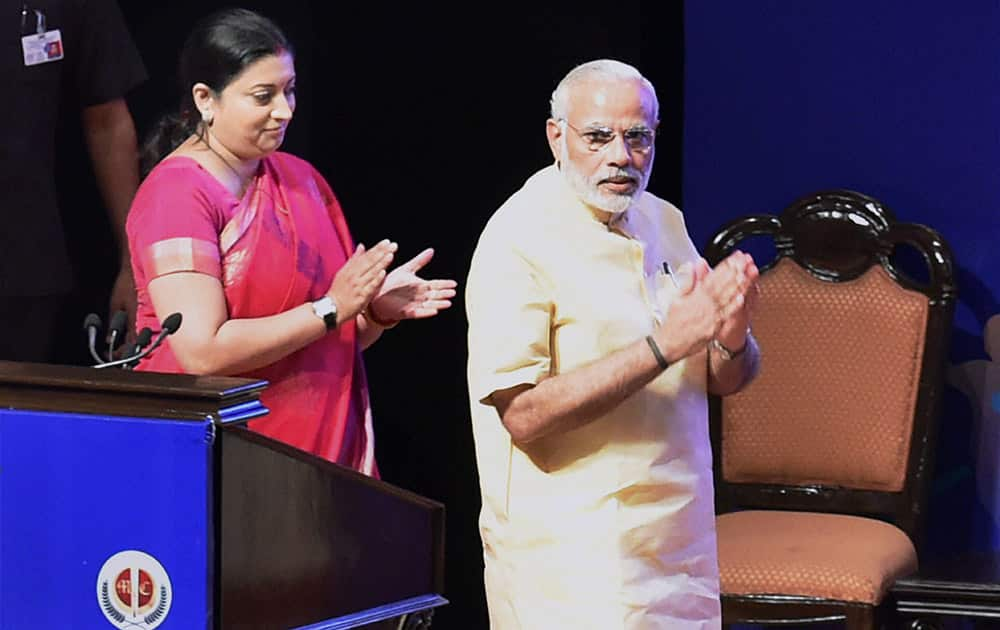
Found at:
[133, 591]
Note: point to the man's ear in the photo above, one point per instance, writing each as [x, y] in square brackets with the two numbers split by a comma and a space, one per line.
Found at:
[554, 132]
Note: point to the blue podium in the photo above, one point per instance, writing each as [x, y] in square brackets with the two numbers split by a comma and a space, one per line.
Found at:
[141, 501]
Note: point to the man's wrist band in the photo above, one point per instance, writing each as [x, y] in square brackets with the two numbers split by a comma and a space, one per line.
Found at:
[660, 359]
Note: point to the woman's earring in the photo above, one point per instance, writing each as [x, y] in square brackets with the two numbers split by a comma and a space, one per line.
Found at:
[206, 117]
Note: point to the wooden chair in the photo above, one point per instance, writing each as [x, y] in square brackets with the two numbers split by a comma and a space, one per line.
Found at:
[822, 464]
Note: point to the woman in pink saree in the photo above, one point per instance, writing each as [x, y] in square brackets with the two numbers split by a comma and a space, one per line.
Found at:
[251, 246]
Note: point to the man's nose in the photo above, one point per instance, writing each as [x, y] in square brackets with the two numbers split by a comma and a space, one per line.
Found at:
[617, 152]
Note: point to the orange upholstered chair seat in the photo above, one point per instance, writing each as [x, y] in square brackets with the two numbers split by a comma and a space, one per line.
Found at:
[809, 554]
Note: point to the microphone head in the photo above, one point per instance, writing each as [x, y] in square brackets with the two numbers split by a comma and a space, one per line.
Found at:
[172, 323]
[143, 338]
[118, 322]
[91, 321]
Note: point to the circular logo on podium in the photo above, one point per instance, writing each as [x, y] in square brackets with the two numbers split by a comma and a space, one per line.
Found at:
[133, 591]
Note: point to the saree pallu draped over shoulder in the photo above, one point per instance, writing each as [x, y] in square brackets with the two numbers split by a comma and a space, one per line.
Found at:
[276, 248]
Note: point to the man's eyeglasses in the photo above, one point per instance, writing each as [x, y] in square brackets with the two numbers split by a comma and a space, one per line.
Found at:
[639, 138]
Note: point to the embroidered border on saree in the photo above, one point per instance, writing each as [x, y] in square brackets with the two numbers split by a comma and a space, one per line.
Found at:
[239, 224]
[183, 253]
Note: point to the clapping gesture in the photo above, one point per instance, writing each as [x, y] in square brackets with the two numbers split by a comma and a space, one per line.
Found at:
[405, 295]
[737, 308]
[710, 303]
[359, 279]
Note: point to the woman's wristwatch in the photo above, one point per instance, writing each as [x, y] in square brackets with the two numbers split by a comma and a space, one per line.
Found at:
[326, 309]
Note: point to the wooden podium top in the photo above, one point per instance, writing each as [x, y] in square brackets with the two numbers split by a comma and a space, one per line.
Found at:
[71, 389]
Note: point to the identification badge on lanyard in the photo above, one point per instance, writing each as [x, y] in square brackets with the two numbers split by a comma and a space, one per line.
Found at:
[43, 45]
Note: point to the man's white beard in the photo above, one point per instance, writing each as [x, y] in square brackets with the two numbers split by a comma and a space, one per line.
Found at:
[590, 193]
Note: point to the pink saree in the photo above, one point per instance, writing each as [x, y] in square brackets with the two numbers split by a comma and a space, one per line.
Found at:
[275, 249]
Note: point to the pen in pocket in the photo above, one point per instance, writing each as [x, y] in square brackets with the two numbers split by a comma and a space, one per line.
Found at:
[670, 274]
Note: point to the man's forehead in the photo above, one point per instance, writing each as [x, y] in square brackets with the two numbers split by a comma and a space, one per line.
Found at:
[599, 100]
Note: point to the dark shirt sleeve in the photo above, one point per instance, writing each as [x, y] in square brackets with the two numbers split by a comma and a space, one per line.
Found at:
[107, 62]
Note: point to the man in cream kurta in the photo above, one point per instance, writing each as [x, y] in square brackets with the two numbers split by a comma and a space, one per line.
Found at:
[590, 322]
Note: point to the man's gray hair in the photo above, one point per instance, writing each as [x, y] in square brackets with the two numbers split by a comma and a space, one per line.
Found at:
[606, 69]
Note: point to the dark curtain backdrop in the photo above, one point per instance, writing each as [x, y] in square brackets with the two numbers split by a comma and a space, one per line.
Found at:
[424, 119]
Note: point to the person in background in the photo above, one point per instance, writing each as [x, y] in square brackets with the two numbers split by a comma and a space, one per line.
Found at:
[250, 245]
[595, 330]
[76, 57]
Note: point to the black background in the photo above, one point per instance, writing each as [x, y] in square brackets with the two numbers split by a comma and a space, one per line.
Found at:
[424, 119]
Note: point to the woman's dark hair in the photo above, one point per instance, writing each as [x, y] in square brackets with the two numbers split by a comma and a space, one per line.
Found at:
[219, 48]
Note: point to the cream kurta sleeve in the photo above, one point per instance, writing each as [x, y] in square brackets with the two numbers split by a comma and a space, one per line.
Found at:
[510, 310]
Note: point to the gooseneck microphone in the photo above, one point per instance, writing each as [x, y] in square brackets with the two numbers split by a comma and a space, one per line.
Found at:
[141, 341]
[91, 324]
[168, 327]
[116, 331]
